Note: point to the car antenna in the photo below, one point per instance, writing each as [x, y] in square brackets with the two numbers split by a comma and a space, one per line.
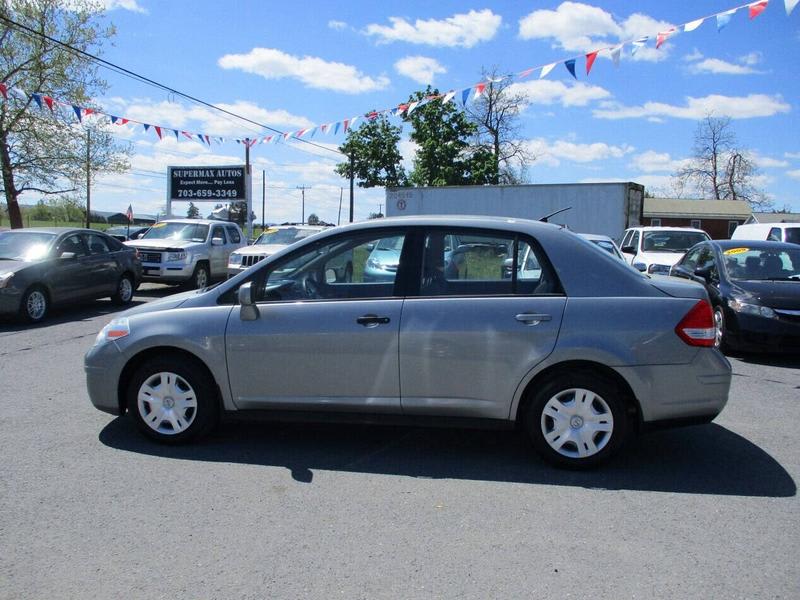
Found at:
[553, 214]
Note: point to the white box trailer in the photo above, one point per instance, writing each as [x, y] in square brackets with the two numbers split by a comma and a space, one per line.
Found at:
[601, 208]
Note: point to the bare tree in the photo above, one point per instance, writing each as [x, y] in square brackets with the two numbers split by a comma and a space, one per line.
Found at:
[719, 169]
[496, 114]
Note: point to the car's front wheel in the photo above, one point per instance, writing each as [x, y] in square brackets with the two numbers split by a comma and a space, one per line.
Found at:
[35, 304]
[719, 334]
[577, 421]
[172, 399]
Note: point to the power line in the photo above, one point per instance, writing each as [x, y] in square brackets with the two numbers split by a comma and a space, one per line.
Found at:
[149, 81]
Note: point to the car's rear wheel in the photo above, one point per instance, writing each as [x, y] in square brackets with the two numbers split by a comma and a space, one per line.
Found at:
[35, 304]
[172, 400]
[577, 421]
[124, 293]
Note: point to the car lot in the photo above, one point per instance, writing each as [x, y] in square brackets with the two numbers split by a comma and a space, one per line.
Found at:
[89, 508]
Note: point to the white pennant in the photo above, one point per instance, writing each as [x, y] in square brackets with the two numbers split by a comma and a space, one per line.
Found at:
[693, 25]
[615, 54]
[448, 96]
[353, 121]
[411, 108]
[790, 4]
[546, 69]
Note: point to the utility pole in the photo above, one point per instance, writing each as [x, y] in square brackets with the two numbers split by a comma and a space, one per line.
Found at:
[339, 218]
[263, 200]
[352, 177]
[88, 178]
[302, 189]
[380, 209]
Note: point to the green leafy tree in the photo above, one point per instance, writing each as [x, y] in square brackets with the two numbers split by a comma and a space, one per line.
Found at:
[313, 219]
[376, 158]
[43, 150]
[445, 155]
[193, 212]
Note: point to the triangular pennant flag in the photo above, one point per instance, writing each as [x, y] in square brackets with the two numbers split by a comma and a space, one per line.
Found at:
[641, 42]
[692, 25]
[346, 124]
[570, 64]
[146, 126]
[158, 131]
[663, 36]
[615, 54]
[590, 58]
[49, 102]
[757, 8]
[790, 4]
[208, 140]
[175, 131]
[200, 137]
[4, 90]
[78, 112]
[38, 99]
[525, 73]
[724, 18]
[122, 121]
[480, 88]
[113, 119]
[324, 127]
[88, 111]
[465, 96]
[300, 133]
[188, 135]
[353, 121]
[372, 115]
[411, 108]
[448, 96]
[336, 130]
[313, 131]
[546, 70]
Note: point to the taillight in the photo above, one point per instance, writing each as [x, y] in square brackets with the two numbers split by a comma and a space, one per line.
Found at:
[697, 328]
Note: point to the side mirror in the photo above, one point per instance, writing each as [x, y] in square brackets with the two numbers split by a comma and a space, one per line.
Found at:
[67, 255]
[628, 249]
[330, 276]
[704, 274]
[639, 266]
[217, 241]
[249, 309]
[680, 271]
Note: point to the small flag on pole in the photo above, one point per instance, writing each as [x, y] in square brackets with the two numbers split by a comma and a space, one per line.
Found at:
[129, 213]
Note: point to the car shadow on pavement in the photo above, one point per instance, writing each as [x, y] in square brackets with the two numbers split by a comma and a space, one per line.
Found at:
[708, 459]
[83, 311]
[772, 360]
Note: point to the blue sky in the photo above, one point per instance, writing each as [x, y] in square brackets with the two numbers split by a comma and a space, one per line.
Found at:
[294, 65]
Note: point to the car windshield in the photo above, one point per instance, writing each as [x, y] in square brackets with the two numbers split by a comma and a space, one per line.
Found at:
[24, 245]
[177, 231]
[756, 264]
[671, 241]
[392, 243]
[283, 237]
[793, 235]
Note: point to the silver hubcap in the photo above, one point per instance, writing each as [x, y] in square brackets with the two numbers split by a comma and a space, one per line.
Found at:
[36, 305]
[577, 423]
[125, 289]
[167, 403]
[202, 278]
[718, 331]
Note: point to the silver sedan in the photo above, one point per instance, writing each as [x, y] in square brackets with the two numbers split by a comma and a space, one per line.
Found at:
[581, 352]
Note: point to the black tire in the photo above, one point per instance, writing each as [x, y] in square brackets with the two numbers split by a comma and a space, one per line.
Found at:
[35, 304]
[719, 322]
[124, 294]
[200, 420]
[609, 411]
[201, 277]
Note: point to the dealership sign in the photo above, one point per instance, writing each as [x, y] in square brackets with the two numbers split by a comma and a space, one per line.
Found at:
[213, 184]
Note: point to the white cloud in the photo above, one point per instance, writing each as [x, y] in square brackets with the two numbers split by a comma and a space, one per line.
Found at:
[578, 27]
[718, 66]
[131, 5]
[751, 59]
[546, 91]
[791, 154]
[552, 153]
[465, 30]
[735, 107]
[794, 174]
[656, 162]
[337, 25]
[312, 71]
[419, 68]
[767, 162]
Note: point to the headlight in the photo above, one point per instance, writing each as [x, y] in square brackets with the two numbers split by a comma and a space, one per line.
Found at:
[235, 259]
[175, 256]
[116, 329]
[746, 308]
[5, 278]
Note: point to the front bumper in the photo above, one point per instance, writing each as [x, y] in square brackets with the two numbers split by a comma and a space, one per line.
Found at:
[761, 334]
[167, 272]
[10, 301]
[103, 366]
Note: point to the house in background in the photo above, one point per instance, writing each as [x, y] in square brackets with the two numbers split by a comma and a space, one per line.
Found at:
[718, 218]
[757, 217]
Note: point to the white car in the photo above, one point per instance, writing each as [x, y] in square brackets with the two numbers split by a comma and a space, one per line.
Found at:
[268, 243]
[606, 243]
[655, 249]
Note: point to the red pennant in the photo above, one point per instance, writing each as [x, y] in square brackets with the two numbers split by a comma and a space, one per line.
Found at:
[188, 135]
[662, 37]
[49, 101]
[479, 89]
[757, 8]
[590, 60]
[346, 125]
[158, 131]
[4, 90]
[88, 111]
[525, 73]
[122, 121]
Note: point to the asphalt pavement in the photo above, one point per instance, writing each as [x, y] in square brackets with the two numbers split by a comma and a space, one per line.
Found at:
[90, 509]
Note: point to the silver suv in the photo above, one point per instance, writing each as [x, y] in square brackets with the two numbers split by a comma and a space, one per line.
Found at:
[187, 251]
[581, 352]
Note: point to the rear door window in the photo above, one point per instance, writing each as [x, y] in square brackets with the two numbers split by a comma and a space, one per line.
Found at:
[233, 234]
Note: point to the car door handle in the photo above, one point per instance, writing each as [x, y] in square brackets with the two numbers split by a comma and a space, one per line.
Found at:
[372, 320]
[532, 318]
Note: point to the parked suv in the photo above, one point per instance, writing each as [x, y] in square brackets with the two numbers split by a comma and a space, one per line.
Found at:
[655, 249]
[773, 232]
[267, 244]
[187, 251]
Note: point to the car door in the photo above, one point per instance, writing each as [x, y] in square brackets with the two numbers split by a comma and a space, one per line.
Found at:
[71, 276]
[471, 332]
[218, 255]
[103, 268]
[320, 342]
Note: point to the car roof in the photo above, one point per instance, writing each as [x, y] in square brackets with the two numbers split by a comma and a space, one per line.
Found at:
[53, 230]
[198, 221]
[653, 228]
[754, 244]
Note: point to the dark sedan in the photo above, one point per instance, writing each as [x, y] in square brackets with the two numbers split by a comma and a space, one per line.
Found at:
[57, 265]
[754, 287]
[125, 233]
